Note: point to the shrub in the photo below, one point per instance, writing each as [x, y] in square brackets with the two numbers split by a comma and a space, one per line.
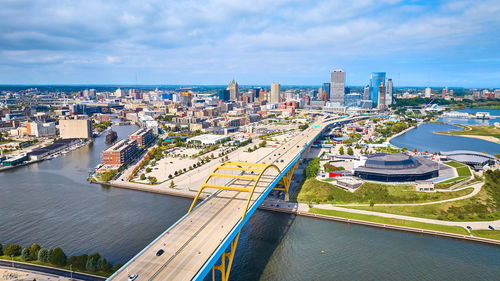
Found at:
[25, 254]
[43, 255]
[142, 177]
[12, 250]
[34, 251]
[58, 257]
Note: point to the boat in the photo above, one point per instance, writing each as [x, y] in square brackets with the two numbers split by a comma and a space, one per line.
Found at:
[111, 136]
[483, 115]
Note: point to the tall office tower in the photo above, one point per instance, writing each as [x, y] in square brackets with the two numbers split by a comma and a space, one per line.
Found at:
[366, 93]
[451, 93]
[428, 92]
[326, 88]
[338, 86]
[445, 92]
[388, 92]
[275, 93]
[376, 78]
[224, 95]
[118, 93]
[234, 92]
[381, 97]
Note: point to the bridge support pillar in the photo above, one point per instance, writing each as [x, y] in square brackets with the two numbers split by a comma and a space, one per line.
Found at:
[286, 181]
[225, 266]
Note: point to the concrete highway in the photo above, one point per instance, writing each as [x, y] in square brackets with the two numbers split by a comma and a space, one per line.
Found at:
[189, 243]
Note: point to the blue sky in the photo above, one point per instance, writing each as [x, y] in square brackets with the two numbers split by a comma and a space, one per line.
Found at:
[292, 42]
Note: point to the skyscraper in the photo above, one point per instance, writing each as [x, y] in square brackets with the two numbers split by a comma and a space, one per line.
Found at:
[366, 93]
[388, 92]
[376, 78]
[337, 86]
[234, 92]
[428, 92]
[275, 93]
[326, 88]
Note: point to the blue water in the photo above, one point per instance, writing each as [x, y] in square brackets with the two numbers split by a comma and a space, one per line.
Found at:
[423, 137]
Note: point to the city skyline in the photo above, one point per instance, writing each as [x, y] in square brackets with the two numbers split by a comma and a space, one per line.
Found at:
[417, 43]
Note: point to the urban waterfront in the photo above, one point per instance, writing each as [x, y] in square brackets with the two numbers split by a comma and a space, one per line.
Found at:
[51, 203]
[423, 137]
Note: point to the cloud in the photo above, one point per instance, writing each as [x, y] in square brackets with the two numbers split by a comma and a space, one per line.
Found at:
[256, 40]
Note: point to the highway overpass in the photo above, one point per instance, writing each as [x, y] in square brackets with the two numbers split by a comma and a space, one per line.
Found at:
[204, 240]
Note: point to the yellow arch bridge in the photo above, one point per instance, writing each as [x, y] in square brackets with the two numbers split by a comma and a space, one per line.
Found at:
[250, 180]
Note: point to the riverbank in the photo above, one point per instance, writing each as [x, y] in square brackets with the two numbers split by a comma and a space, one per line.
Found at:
[48, 270]
[389, 224]
[402, 132]
[304, 210]
[487, 133]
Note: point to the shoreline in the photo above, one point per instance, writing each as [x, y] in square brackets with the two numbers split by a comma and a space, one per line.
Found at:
[485, 138]
[191, 195]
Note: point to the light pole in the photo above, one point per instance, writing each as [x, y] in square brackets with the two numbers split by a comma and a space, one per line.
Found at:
[71, 271]
[12, 259]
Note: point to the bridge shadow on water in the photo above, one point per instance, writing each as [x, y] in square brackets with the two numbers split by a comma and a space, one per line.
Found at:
[260, 236]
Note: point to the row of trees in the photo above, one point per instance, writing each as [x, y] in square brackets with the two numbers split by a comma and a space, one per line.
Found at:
[350, 151]
[57, 257]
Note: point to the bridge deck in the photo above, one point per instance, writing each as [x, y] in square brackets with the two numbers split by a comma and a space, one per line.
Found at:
[190, 243]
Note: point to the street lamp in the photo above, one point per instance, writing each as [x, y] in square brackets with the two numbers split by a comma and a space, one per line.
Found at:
[71, 271]
[12, 258]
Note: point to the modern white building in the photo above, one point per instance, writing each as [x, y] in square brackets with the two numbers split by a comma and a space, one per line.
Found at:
[208, 139]
[337, 87]
[428, 92]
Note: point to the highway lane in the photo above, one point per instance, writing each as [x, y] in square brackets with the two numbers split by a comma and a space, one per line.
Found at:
[190, 243]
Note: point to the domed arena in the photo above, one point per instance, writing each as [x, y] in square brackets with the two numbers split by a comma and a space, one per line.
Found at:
[395, 167]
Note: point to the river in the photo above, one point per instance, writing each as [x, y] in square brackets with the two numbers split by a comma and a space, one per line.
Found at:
[51, 203]
[423, 137]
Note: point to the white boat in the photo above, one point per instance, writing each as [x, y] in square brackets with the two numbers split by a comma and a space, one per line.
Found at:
[483, 115]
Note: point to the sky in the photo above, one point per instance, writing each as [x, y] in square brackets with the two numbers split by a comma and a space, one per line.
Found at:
[257, 42]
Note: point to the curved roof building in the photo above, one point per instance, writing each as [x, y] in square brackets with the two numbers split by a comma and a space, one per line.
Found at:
[396, 167]
[471, 158]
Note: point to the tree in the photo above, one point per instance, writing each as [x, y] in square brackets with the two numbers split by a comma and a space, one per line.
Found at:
[1, 249]
[25, 254]
[43, 255]
[91, 264]
[34, 251]
[341, 150]
[12, 250]
[81, 262]
[148, 170]
[172, 184]
[350, 151]
[105, 266]
[142, 177]
[58, 257]
[153, 180]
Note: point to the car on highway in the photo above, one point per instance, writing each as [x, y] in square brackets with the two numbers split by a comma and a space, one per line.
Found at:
[132, 277]
[160, 252]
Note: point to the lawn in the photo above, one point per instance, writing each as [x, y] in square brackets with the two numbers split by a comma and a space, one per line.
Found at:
[484, 206]
[316, 191]
[391, 221]
[491, 234]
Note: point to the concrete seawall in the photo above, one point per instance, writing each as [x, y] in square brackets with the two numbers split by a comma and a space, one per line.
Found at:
[191, 195]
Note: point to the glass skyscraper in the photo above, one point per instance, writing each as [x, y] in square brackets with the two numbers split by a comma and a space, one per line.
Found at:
[376, 78]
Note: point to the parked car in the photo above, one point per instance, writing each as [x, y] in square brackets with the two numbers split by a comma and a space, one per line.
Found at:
[160, 252]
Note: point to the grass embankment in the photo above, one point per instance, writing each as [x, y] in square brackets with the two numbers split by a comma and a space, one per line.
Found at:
[490, 234]
[316, 191]
[463, 172]
[488, 131]
[18, 258]
[484, 206]
[391, 221]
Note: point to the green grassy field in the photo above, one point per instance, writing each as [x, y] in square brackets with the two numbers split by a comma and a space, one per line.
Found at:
[491, 131]
[491, 234]
[316, 191]
[398, 222]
